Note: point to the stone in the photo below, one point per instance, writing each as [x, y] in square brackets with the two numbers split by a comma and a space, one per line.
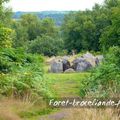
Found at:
[83, 66]
[76, 61]
[66, 64]
[66, 57]
[60, 64]
[80, 64]
[51, 60]
[70, 70]
[99, 58]
[57, 66]
[90, 58]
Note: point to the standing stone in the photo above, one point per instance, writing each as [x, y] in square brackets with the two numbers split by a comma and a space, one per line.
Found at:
[80, 64]
[76, 61]
[83, 66]
[90, 58]
[66, 64]
[57, 66]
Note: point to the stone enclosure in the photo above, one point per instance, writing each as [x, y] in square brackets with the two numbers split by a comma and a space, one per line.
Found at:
[79, 64]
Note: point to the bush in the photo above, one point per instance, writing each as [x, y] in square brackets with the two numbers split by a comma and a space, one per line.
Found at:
[21, 74]
[5, 39]
[105, 79]
[46, 45]
[11, 58]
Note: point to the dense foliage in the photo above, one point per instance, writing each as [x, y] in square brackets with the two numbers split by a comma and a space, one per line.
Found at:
[21, 74]
[46, 45]
[5, 14]
[111, 35]
[36, 35]
[105, 79]
[93, 29]
[5, 40]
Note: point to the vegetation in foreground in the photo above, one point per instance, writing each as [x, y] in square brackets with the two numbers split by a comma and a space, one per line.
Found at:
[104, 80]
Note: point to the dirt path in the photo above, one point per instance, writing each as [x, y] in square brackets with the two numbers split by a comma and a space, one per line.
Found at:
[62, 114]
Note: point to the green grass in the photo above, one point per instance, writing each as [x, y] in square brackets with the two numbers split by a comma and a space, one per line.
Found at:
[65, 85]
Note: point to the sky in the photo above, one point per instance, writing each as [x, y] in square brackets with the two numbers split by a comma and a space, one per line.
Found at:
[57, 5]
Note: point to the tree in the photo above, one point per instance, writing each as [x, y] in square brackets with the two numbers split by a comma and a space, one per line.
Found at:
[5, 14]
[79, 31]
[83, 30]
[46, 45]
[29, 26]
[20, 34]
[48, 27]
[5, 37]
[111, 35]
[32, 24]
[111, 3]
[5, 33]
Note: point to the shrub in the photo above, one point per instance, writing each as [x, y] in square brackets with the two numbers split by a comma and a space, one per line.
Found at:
[46, 45]
[5, 39]
[21, 74]
[105, 79]
[11, 58]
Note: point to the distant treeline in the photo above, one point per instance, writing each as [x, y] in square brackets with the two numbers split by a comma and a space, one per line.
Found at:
[57, 16]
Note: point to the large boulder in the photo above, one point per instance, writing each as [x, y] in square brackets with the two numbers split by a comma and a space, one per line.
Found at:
[90, 58]
[66, 64]
[60, 64]
[57, 66]
[80, 64]
[83, 66]
[76, 61]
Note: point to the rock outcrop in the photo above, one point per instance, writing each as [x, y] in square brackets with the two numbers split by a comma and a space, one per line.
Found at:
[80, 64]
[57, 66]
[66, 64]
[90, 58]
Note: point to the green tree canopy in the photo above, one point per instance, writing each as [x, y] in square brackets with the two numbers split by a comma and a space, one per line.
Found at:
[46, 45]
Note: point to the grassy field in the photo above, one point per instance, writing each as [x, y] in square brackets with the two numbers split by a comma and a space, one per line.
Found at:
[66, 84]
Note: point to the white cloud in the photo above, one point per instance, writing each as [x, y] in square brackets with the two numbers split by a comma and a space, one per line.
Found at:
[42, 5]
